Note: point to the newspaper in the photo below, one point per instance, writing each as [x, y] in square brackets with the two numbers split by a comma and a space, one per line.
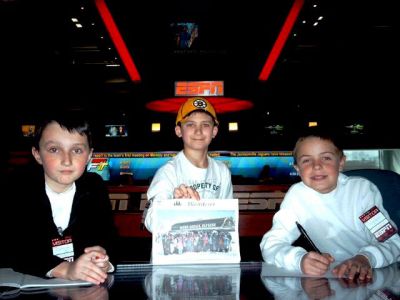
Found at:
[187, 231]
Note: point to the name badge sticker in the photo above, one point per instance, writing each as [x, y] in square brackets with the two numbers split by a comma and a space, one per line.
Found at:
[63, 248]
[377, 223]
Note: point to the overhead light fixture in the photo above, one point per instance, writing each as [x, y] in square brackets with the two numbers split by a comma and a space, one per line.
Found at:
[233, 126]
[155, 127]
[312, 124]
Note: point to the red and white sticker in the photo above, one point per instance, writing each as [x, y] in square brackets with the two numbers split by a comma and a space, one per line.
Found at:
[377, 223]
[63, 248]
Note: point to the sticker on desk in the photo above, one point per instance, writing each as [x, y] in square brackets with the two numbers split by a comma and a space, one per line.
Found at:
[377, 223]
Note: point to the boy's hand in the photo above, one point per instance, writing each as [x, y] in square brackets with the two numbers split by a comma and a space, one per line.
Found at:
[316, 264]
[356, 266]
[91, 266]
[82, 268]
[187, 192]
[99, 257]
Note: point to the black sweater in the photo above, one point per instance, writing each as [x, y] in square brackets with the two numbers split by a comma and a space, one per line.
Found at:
[28, 228]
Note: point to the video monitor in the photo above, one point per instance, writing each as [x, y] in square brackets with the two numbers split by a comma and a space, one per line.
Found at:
[28, 130]
[185, 34]
[116, 130]
[355, 129]
[126, 167]
[275, 129]
[247, 167]
[259, 167]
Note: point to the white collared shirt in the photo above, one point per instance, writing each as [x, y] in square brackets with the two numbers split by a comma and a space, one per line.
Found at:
[61, 205]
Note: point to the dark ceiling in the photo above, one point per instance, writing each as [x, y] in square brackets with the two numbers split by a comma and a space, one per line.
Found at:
[325, 72]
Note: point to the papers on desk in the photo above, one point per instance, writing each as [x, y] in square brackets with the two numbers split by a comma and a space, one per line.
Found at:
[18, 281]
[194, 282]
[187, 231]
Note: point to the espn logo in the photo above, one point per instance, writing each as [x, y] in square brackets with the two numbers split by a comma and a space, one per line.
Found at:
[199, 88]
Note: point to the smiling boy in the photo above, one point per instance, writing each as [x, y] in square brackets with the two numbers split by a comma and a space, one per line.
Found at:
[192, 173]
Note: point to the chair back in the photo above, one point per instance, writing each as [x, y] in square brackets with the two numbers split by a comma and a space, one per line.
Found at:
[388, 183]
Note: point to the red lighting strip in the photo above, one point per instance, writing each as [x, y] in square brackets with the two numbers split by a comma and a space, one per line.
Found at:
[221, 104]
[118, 40]
[281, 40]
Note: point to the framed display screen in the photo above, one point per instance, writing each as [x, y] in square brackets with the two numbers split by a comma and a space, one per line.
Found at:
[118, 130]
[247, 167]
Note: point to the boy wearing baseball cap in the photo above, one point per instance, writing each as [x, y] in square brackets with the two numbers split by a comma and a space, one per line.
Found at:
[192, 174]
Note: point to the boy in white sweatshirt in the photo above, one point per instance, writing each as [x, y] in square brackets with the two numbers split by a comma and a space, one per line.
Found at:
[338, 213]
[192, 173]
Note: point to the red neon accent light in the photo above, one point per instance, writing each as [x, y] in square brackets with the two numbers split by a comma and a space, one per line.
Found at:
[221, 104]
[281, 40]
[118, 40]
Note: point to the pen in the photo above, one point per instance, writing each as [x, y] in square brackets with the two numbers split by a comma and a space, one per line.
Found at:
[303, 231]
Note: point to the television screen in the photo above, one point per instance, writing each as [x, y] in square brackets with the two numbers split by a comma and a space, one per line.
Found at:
[247, 167]
[119, 130]
[122, 167]
[28, 130]
[185, 34]
[253, 167]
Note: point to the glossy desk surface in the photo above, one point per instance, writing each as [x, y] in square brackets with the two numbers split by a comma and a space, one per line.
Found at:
[248, 280]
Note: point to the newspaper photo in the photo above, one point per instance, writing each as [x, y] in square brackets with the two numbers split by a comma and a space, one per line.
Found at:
[189, 231]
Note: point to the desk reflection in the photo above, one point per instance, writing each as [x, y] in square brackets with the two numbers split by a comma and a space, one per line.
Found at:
[194, 282]
[91, 292]
[247, 280]
[96, 292]
[385, 284]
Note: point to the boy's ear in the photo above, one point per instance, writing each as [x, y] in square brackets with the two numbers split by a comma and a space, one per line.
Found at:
[36, 155]
[215, 131]
[90, 155]
[178, 131]
[342, 162]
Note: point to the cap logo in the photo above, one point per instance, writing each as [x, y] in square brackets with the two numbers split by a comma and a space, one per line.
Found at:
[200, 104]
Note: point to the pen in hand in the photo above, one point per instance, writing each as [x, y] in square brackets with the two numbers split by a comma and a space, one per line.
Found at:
[303, 232]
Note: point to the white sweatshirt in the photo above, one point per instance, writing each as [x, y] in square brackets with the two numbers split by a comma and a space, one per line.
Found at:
[212, 183]
[332, 222]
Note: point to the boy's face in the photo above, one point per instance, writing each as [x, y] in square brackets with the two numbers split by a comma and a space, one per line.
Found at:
[63, 154]
[197, 130]
[319, 163]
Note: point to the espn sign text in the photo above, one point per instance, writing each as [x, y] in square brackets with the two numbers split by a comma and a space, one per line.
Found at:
[199, 88]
